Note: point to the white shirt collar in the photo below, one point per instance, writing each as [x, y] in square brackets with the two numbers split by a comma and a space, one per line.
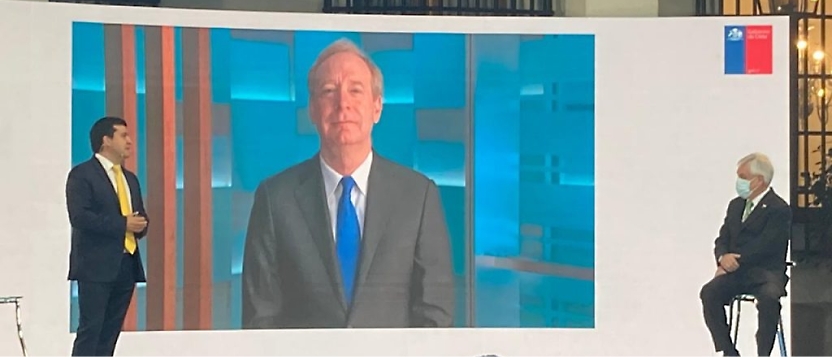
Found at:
[333, 178]
[756, 200]
[105, 162]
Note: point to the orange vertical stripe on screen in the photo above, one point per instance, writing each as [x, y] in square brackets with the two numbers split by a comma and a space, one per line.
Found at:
[197, 117]
[161, 178]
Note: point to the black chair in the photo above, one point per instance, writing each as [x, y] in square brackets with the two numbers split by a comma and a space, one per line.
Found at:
[737, 302]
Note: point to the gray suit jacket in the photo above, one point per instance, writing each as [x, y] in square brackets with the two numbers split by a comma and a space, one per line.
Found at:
[291, 276]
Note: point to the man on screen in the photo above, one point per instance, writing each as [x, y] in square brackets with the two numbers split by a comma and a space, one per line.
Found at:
[107, 215]
[347, 238]
[750, 256]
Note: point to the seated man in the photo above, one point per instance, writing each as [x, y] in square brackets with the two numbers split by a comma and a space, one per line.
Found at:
[750, 256]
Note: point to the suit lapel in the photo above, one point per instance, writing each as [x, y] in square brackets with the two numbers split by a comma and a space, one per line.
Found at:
[380, 200]
[133, 187]
[312, 202]
[757, 212]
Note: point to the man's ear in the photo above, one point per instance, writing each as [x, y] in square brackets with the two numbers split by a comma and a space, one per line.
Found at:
[377, 107]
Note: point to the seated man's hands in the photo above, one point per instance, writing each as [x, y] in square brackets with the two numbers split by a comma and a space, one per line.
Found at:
[729, 262]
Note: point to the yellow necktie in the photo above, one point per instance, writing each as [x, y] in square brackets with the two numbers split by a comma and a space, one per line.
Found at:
[121, 190]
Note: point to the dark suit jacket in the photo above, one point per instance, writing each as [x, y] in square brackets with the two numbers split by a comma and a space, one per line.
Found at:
[98, 227]
[291, 276]
[762, 240]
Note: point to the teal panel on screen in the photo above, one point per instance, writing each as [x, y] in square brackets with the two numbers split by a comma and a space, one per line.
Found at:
[88, 100]
[534, 180]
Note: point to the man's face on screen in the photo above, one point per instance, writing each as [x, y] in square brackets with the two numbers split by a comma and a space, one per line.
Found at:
[120, 144]
[344, 107]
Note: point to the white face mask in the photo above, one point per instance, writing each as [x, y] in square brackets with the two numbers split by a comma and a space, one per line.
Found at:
[743, 187]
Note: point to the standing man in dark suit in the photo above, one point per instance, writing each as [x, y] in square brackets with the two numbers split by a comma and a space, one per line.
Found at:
[347, 238]
[107, 215]
[750, 256]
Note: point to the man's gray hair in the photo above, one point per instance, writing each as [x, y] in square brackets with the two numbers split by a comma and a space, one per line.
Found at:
[759, 165]
[345, 45]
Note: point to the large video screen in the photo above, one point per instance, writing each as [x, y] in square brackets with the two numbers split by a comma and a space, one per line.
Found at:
[495, 229]
[533, 186]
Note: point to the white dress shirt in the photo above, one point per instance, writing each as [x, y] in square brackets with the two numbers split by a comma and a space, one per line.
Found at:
[332, 185]
[108, 167]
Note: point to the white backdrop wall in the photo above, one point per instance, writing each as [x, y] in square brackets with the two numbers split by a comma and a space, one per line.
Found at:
[670, 127]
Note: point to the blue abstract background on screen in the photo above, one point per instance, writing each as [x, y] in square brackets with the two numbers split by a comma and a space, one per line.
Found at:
[541, 97]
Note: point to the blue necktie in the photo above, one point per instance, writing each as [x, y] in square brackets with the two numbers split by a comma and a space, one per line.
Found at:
[347, 237]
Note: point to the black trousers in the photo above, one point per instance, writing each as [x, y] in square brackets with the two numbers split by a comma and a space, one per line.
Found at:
[716, 294]
[102, 308]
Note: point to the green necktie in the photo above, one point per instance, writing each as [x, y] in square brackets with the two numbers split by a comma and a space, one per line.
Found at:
[748, 206]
